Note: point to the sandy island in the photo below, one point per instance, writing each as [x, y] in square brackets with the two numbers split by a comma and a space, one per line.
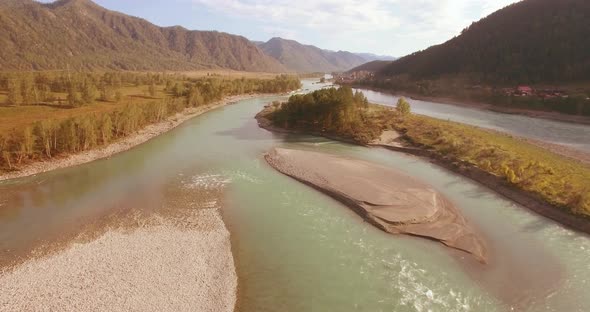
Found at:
[169, 265]
[390, 200]
[123, 144]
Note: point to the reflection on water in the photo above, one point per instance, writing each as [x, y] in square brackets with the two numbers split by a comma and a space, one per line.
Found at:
[296, 249]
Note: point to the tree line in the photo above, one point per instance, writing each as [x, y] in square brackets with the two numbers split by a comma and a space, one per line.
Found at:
[49, 138]
[340, 112]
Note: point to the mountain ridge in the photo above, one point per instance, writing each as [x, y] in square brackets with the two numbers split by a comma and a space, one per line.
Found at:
[528, 41]
[300, 57]
[84, 35]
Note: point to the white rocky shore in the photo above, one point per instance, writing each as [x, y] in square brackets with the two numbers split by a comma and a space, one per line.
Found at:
[166, 266]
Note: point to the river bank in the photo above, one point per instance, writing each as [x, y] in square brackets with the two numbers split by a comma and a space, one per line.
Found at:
[170, 264]
[124, 144]
[498, 184]
[583, 120]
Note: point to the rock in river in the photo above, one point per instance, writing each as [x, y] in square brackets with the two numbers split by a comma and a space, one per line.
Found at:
[390, 200]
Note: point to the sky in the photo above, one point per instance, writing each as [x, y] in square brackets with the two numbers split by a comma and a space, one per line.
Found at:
[387, 27]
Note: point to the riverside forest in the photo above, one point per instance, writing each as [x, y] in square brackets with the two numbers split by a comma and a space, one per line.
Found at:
[91, 110]
[263, 156]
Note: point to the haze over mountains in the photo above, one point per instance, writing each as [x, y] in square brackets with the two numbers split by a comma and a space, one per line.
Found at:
[307, 58]
[83, 35]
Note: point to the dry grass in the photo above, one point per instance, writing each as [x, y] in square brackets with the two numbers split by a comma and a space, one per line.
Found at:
[558, 180]
[18, 117]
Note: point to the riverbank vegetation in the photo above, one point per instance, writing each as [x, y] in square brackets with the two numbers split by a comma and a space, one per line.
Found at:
[559, 181]
[45, 115]
[332, 111]
[572, 99]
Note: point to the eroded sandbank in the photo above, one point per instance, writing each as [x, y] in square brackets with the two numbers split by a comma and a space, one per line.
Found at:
[390, 200]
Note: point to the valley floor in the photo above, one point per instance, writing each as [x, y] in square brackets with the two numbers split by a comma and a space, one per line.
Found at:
[119, 146]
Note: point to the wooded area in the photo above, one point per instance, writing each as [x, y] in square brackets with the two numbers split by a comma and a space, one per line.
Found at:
[160, 96]
[527, 42]
[334, 111]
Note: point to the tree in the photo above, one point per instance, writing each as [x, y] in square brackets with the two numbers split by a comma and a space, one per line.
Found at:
[27, 92]
[195, 98]
[106, 92]
[403, 107]
[14, 94]
[44, 130]
[88, 93]
[105, 129]
[74, 98]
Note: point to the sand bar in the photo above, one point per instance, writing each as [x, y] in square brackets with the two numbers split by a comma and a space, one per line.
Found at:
[390, 200]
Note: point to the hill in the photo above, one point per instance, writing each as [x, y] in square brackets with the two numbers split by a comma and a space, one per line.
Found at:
[374, 66]
[532, 41]
[82, 35]
[307, 58]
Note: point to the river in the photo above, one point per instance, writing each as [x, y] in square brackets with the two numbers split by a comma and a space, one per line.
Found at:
[576, 136]
[296, 249]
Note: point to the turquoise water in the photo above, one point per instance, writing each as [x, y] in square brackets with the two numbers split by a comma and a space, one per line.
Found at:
[298, 250]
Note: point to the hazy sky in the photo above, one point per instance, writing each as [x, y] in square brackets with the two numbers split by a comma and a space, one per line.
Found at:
[392, 27]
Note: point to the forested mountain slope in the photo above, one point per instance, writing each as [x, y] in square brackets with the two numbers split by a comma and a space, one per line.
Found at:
[530, 41]
[307, 58]
[82, 35]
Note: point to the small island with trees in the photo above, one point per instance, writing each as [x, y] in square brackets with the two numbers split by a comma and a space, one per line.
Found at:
[550, 184]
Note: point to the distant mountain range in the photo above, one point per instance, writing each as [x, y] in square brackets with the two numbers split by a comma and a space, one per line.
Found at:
[529, 41]
[83, 35]
[80, 34]
[307, 58]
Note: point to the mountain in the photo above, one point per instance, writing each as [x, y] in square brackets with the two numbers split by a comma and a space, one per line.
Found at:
[531, 41]
[369, 57]
[374, 66]
[307, 58]
[83, 35]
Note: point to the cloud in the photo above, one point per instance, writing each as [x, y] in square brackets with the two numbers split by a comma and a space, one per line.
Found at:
[382, 25]
[320, 15]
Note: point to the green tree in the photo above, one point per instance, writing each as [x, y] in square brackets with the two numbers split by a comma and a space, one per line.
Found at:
[403, 107]
[106, 92]
[88, 93]
[74, 98]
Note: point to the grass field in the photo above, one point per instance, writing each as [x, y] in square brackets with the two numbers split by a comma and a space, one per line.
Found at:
[558, 180]
[18, 117]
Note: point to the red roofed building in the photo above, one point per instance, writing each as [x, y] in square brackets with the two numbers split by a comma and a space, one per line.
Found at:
[524, 90]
